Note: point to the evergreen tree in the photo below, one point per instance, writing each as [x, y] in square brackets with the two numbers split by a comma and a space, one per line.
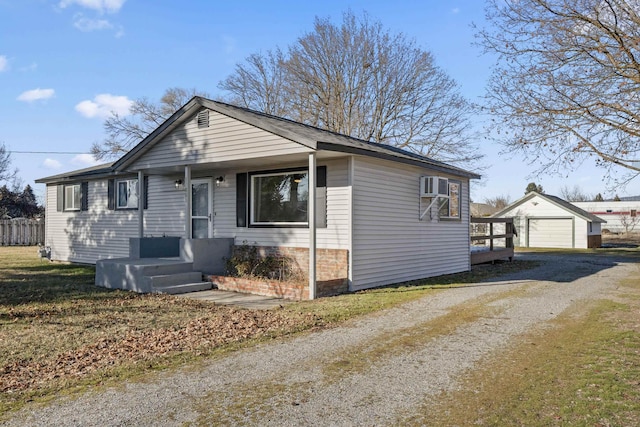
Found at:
[14, 204]
[598, 198]
[27, 203]
[532, 186]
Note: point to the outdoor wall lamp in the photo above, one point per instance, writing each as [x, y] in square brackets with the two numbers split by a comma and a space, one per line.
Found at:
[178, 184]
[219, 180]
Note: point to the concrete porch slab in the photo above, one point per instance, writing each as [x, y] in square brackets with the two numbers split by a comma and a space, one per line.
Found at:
[237, 299]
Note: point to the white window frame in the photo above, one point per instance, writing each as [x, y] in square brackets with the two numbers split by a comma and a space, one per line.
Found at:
[72, 201]
[447, 200]
[253, 201]
[129, 183]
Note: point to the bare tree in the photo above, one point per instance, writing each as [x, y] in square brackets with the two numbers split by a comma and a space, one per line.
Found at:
[123, 132]
[361, 80]
[6, 172]
[574, 194]
[566, 86]
[498, 202]
[629, 222]
[259, 84]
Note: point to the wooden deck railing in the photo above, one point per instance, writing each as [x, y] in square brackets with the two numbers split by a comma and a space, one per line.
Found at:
[482, 230]
[21, 232]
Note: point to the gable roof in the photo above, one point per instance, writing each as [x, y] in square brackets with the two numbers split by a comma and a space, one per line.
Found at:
[556, 201]
[309, 136]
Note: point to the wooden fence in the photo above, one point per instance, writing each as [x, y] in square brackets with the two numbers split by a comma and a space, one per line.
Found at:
[484, 233]
[21, 232]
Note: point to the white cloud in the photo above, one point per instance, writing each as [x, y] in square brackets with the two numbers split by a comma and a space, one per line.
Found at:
[87, 24]
[36, 94]
[84, 160]
[110, 6]
[103, 105]
[51, 164]
[4, 63]
[455, 10]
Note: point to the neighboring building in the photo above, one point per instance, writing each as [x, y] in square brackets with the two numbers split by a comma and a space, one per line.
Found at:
[545, 221]
[617, 214]
[482, 209]
[215, 172]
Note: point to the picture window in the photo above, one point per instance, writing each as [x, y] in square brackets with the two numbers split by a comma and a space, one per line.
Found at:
[280, 198]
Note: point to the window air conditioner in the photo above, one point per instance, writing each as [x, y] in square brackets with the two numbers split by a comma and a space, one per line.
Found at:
[432, 186]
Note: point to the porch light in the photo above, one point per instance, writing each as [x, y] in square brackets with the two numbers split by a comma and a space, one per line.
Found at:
[219, 180]
[178, 184]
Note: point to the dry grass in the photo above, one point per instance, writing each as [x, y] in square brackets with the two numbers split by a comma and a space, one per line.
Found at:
[60, 333]
[582, 371]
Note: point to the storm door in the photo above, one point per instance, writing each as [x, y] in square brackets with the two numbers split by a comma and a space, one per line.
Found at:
[201, 209]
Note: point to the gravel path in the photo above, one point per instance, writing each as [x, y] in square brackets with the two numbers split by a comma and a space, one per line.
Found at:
[370, 372]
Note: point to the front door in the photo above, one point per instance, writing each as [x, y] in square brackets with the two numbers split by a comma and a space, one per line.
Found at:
[201, 209]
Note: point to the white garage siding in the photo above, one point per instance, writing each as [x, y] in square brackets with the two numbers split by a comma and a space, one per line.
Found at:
[390, 243]
[542, 222]
[551, 232]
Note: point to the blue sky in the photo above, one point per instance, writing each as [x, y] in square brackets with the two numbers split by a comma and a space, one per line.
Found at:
[64, 64]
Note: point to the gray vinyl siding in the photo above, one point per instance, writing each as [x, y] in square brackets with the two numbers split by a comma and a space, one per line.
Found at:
[390, 243]
[98, 233]
[165, 214]
[334, 236]
[224, 140]
[89, 235]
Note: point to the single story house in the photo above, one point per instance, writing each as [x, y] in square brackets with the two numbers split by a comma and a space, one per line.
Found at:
[621, 216]
[214, 177]
[545, 221]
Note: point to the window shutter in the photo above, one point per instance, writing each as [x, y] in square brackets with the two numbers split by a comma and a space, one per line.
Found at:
[60, 198]
[146, 192]
[321, 176]
[241, 199]
[84, 196]
[321, 197]
[111, 194]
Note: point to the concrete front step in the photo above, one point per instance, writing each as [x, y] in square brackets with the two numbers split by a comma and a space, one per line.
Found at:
[185, 288]
[173, 279]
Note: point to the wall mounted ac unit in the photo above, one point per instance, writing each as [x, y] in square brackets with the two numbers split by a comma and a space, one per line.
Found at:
[432, 186]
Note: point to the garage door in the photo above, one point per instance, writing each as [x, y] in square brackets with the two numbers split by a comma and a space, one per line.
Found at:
[550, 233]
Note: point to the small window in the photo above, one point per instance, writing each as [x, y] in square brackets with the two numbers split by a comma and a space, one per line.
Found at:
[127, 195]
[280, 198]
[634, 213]
[450, 206]
[72, 197]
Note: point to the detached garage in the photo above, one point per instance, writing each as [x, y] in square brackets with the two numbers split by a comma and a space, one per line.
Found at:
[545, 221]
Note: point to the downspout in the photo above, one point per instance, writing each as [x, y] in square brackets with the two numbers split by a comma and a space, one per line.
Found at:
[141, 197]
[188, 199]
[311, 212]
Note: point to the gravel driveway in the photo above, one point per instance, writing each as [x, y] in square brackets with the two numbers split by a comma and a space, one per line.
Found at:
[372, 371]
